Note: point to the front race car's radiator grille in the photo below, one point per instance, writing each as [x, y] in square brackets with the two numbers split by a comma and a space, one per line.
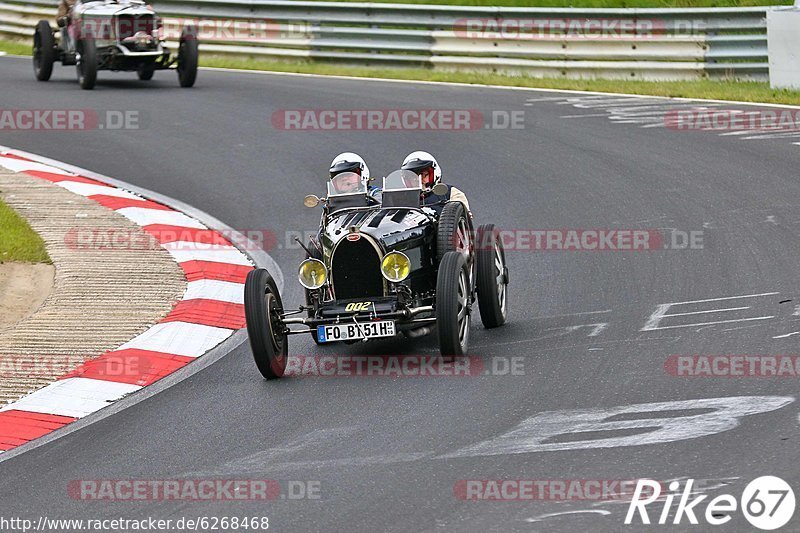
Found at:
[356, 270]
[130, 25]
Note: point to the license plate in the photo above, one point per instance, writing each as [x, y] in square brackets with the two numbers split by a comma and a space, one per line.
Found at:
[348, 331]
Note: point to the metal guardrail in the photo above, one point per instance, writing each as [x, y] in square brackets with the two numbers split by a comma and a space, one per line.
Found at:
[653, 44]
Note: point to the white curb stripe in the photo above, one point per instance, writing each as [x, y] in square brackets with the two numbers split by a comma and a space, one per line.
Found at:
[210, 289]
[18, 165]
[75, 397]
[145, 217]
[87, 189]
[78, 397]
[179, 338]
[219, 255]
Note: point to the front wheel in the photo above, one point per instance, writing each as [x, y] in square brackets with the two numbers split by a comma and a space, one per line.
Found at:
[265, 329]
[145, 71]
[187, 57]
[492, 277]
[86, 64]
[453, 301]
[44, 51]
[453, 234]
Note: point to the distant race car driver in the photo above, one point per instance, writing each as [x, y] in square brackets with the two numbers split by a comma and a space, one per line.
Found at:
[426, 166]
[351, 162]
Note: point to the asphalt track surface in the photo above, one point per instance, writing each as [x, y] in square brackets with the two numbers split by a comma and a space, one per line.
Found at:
[387, 452]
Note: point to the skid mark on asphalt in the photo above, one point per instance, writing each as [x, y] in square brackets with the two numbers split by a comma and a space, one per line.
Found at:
[658, 113]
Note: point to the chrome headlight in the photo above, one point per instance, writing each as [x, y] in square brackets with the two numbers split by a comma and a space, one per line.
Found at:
[312, 274]
[395, 266]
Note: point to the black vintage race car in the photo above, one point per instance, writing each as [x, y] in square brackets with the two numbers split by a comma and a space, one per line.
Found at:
[383, 267]
[117, 35]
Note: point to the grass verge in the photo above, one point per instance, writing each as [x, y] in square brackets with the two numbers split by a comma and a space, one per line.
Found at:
[592, 3]
[708, 89]
[18, 242]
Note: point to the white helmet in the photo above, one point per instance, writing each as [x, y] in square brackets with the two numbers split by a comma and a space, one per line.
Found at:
[350, 162]
[419, 161]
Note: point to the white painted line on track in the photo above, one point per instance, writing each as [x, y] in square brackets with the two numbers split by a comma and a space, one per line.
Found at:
[723, 298]
[711, 323]
[707, 311]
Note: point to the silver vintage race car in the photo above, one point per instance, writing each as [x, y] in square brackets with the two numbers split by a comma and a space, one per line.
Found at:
[117, 35]
[381, 268]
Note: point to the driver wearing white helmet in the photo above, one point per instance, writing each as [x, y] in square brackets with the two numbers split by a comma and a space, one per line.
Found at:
[351, 162]
[426, 166]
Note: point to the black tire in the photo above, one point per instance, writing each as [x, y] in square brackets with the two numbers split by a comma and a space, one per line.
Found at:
[453, 299]
[269, 344]
[454, 231]
[145, 71]
[492, 277]
[187, 57]
[315, 254]
[44, 51]
[86, 64]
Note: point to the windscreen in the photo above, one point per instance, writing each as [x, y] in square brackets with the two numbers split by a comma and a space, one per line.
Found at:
[346, 183]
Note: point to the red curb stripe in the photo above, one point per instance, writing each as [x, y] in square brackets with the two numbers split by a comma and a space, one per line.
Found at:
[197, 270]
[19, 157]
[136, 366]
[208, 313]
[115, 202]
[58, 178]
[132, 366]
[165, 233]
[19, 427]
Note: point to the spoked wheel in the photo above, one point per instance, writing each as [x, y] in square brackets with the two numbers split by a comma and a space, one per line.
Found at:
[44, 51]
[453, 301]
[492, 277]
[187, 57]
[454, 231]
[263, 307]
[86, 61]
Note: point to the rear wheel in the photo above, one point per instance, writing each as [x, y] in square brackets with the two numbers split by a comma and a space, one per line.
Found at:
[86, 64]
[44, 51]
[492, 277]
[187, 57]
[265, 329]
[453, 299]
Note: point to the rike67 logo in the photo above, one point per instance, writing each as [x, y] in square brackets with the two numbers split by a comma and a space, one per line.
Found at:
[767, 503]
